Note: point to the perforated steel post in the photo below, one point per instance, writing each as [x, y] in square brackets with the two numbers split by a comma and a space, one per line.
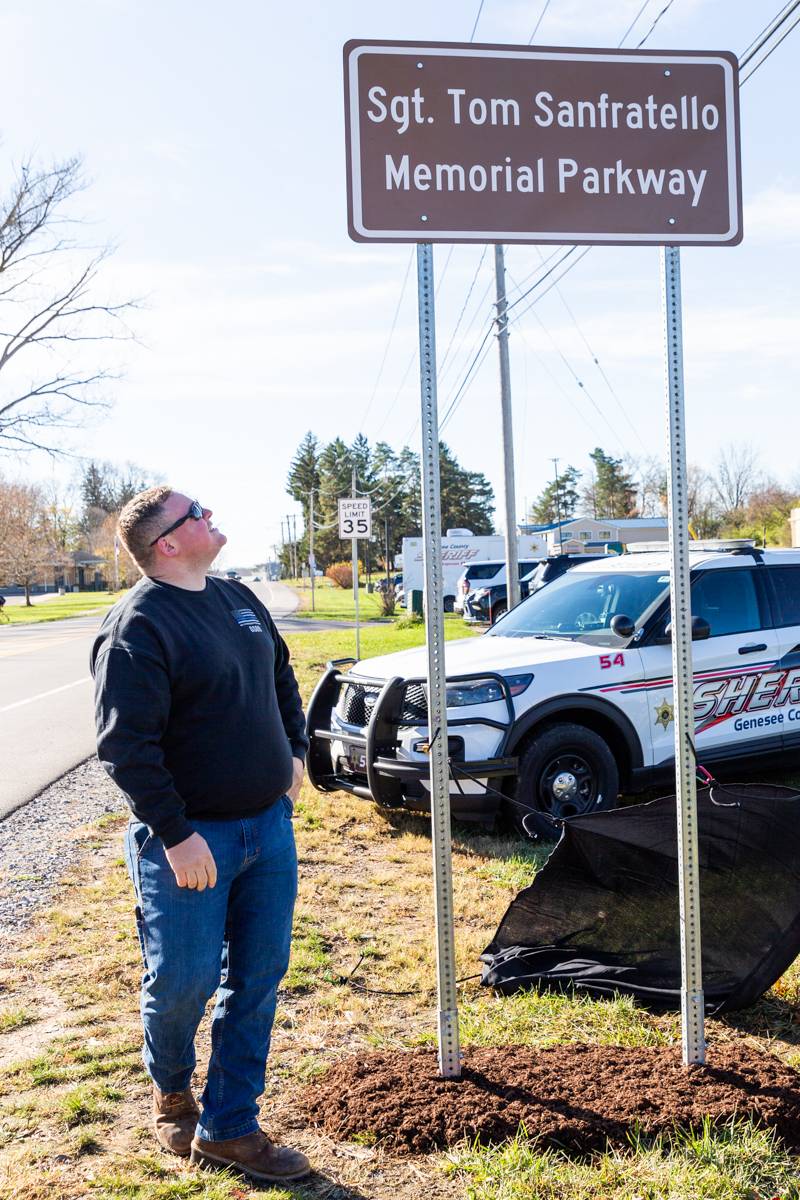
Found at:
[509, 490]
[449, 1054]
[681, 616]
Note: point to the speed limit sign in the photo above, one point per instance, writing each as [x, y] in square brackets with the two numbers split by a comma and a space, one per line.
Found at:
[355, 519]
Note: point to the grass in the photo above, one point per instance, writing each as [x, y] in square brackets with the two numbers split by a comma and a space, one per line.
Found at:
[14, 1018]
[73, 604]
[337, 604]
[74, 1118]
[738, 1162]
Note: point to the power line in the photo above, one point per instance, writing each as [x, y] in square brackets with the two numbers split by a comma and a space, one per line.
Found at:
[560, 386]
[464, 307]
[453, 402]
[575, 376]
[547, 275]
[633, 22]
[663, 12]
[766, 33]
[598, 364]
[413, 356]
[538, 23]
[774, 46]
[477, 18]
[389, 339]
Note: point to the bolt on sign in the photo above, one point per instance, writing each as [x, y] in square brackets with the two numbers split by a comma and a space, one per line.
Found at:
[465, 143]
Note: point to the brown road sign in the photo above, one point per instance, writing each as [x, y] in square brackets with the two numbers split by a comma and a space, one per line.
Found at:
[465, 143]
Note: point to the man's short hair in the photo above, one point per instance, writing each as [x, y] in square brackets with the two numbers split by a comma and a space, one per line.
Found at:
[140, 522]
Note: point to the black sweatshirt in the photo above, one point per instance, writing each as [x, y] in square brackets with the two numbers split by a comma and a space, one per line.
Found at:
[197, 709]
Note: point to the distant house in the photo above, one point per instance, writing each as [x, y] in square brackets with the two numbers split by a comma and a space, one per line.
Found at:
[580, 534]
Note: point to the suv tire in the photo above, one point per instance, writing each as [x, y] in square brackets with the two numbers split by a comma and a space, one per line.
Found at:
[566, 770]
[499, 611]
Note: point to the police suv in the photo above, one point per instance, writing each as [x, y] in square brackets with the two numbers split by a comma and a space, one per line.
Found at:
[568, 699]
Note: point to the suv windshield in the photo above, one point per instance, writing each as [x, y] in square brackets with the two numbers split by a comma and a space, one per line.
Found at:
[581, 606]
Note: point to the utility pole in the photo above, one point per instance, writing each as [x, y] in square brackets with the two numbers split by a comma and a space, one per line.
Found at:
[297, 566]
[312, 564]
[293, 545]
[512, 547]
[386, 543]
[554, 461]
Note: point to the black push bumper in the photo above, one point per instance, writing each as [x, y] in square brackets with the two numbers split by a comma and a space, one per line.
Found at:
[379, 774]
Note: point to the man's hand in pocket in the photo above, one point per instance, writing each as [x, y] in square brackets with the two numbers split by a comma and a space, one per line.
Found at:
[193, 863]
[298, 770]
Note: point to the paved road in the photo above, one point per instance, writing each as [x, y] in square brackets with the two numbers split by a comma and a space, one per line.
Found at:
[45, 705]
[46, 713]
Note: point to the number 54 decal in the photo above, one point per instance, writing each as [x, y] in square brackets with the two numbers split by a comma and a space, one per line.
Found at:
[612, 660]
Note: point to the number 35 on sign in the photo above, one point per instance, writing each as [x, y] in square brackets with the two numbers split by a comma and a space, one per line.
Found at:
[355, 520]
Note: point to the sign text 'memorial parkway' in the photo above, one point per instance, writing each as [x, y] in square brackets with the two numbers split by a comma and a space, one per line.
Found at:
[464, 143]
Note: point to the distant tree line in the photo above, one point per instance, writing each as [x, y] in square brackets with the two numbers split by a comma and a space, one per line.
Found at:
[733, 498]
[44, 525]
[392, 481]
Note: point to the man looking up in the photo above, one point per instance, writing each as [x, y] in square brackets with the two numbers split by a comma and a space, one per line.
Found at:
[199, 723]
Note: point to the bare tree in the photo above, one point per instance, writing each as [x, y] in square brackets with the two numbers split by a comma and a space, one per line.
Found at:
[737, 475]
[49, 312]
[26, 549]
[651, 484]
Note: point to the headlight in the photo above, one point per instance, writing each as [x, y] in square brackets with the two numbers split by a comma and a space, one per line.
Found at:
[484, 691]
[479, 593]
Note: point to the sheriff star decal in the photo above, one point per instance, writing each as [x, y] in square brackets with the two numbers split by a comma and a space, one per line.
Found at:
[665, 714]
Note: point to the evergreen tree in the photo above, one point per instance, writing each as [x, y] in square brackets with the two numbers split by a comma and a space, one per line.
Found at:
[467, 496]
[303, 477]
[558, 499]
[392, 481]
[613, 491]
[97, 487]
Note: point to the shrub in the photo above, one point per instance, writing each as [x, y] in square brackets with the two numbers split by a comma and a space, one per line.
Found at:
[341, 574]
[388, 601]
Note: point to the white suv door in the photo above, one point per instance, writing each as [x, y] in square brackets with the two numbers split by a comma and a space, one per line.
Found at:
[785, 580]
[732, 683]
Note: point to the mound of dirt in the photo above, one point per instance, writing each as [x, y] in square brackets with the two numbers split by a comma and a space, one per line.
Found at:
[576, 1097]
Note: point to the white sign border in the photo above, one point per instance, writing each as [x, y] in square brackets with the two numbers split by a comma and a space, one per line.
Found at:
[360, 500]
[562, 238]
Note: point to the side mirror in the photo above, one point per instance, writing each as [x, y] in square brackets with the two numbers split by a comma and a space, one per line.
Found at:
[700, 631]
[622, 626]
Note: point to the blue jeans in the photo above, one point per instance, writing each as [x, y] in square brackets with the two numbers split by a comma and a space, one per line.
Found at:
[232, 939]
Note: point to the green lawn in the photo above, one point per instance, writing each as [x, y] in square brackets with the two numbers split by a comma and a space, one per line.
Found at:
[312, 651]
[73, 604]
[336, 604]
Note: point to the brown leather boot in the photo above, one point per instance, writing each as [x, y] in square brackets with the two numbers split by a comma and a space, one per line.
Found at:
[253, 1155]
[175, 1116]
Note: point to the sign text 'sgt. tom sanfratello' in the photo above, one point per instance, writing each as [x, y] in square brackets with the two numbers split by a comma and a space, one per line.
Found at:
[568, 699]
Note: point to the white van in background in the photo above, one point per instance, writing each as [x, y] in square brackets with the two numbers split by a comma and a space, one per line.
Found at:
[459, 549]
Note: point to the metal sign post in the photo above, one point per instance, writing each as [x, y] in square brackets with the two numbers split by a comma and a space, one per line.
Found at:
[692, 1007]
[509, 491]
[449, 1054]
[354, 549]
[355, 521]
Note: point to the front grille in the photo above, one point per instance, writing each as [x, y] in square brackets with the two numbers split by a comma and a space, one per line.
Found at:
[357, 703]
[415, 705]
[358, 700]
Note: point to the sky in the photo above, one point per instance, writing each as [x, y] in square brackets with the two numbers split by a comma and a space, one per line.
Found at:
[213, 148]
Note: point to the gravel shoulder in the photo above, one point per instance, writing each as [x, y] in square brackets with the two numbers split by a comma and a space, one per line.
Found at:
[39, 842]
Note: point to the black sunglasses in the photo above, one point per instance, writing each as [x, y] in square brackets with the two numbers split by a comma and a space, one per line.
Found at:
[195, 513]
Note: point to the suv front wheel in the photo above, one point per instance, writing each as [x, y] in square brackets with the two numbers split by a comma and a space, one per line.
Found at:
[565, 771]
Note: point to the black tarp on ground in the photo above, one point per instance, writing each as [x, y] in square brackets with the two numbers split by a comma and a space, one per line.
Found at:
[602, 914]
